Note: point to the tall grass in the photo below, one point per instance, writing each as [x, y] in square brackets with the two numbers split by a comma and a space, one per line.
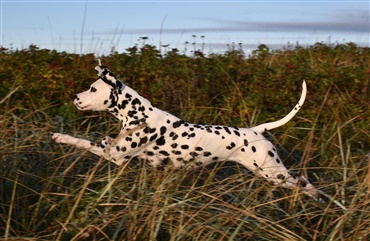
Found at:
[57, 192]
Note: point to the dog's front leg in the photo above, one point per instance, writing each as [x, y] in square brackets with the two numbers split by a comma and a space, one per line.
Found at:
[80, 143]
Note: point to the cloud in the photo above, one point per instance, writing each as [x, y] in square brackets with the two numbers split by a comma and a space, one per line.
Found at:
[343, 22]
[355, 22]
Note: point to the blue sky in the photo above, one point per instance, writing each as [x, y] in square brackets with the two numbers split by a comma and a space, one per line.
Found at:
[100, 26]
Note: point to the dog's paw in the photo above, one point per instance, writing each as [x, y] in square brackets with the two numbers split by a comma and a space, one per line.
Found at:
[61, 138]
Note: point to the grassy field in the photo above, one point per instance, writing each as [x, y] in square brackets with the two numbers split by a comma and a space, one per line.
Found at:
[56, 192]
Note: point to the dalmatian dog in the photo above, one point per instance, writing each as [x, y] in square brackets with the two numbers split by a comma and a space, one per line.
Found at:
[161, 138]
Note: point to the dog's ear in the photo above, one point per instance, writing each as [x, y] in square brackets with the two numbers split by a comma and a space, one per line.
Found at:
[107, 76]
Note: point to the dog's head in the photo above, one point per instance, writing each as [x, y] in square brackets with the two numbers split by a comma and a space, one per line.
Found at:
[102, 94]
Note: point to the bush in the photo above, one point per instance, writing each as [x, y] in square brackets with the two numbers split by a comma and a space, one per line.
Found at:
[55, 192]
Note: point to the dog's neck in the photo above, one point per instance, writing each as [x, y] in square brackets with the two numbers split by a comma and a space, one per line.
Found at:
[132, 109]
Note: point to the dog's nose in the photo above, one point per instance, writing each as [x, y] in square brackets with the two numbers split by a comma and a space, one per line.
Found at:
[74, 97]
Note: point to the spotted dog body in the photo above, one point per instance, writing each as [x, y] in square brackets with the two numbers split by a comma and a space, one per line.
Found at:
[162, 138]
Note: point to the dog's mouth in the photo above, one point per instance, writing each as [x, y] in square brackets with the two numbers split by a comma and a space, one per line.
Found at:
[82, 107]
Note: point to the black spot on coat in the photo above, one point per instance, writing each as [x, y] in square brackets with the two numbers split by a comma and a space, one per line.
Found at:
[161, 141]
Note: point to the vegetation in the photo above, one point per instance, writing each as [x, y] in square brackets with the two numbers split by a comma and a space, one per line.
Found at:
[56, 192]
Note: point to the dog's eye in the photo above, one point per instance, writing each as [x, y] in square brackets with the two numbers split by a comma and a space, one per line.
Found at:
[93, 89]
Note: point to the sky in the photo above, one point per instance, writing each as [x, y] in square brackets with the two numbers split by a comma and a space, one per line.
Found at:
[99, 27]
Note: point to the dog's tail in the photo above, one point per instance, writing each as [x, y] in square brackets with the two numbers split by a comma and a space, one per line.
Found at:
[271, 125]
